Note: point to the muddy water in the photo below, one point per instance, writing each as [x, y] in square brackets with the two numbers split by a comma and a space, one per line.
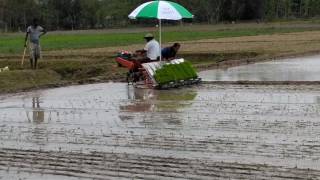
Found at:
[112, 131]
[297, 69]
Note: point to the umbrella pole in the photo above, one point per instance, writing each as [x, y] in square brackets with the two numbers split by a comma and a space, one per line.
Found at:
[160, 38]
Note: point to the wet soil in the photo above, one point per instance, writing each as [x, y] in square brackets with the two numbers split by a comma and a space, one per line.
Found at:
[112, 131]
[300, 69]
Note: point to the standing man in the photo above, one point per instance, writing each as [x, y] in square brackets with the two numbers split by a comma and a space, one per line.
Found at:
[34, 32]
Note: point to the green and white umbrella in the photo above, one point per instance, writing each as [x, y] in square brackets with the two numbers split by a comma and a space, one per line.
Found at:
[161, 10]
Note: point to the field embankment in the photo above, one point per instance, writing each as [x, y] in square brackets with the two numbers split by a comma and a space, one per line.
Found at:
[88, 56]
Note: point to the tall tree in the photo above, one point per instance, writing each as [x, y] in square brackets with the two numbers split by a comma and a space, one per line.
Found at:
[84, 14]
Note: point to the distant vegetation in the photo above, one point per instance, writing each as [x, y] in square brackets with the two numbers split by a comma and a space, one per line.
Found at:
[15, 15]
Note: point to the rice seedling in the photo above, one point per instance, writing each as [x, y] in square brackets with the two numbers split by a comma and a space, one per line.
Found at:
[172, 73]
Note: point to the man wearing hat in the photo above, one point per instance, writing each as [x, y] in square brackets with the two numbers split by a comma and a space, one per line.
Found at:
[152, 49]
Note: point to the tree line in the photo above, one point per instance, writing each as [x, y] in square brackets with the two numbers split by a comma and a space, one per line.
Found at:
[15, 15]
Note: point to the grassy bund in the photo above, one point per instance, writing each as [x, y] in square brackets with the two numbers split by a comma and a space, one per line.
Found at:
[79, 57]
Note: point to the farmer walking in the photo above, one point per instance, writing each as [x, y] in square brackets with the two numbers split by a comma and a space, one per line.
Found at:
[34, 32]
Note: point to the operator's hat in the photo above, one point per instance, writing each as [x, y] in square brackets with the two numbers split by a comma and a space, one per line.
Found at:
[149, 35]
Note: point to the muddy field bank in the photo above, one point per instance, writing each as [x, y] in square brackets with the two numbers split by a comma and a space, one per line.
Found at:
[92, 65]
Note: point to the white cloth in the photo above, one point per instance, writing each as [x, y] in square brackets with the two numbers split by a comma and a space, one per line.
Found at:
[34, 33]
[35, 51]
[153, 49]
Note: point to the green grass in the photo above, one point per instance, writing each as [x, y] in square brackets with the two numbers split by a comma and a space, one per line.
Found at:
[13, 43]
[56, 72]
[12, 81]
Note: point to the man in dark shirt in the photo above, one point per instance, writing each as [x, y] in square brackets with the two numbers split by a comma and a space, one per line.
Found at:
[170, 53]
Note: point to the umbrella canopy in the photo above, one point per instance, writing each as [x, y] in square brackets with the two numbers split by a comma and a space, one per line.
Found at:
[161, 10]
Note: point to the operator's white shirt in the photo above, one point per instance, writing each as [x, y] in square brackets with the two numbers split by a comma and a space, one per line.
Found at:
[153, 49]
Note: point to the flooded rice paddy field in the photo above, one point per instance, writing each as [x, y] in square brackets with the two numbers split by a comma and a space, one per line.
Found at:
[292, 69]
[112, 131]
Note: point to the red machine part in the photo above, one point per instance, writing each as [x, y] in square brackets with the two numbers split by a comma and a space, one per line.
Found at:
[130, 64]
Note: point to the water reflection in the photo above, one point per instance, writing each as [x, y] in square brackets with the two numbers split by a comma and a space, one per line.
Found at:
[170, 102]
[36, 117]
[297, 69]
[150, 100]
[37, 111]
